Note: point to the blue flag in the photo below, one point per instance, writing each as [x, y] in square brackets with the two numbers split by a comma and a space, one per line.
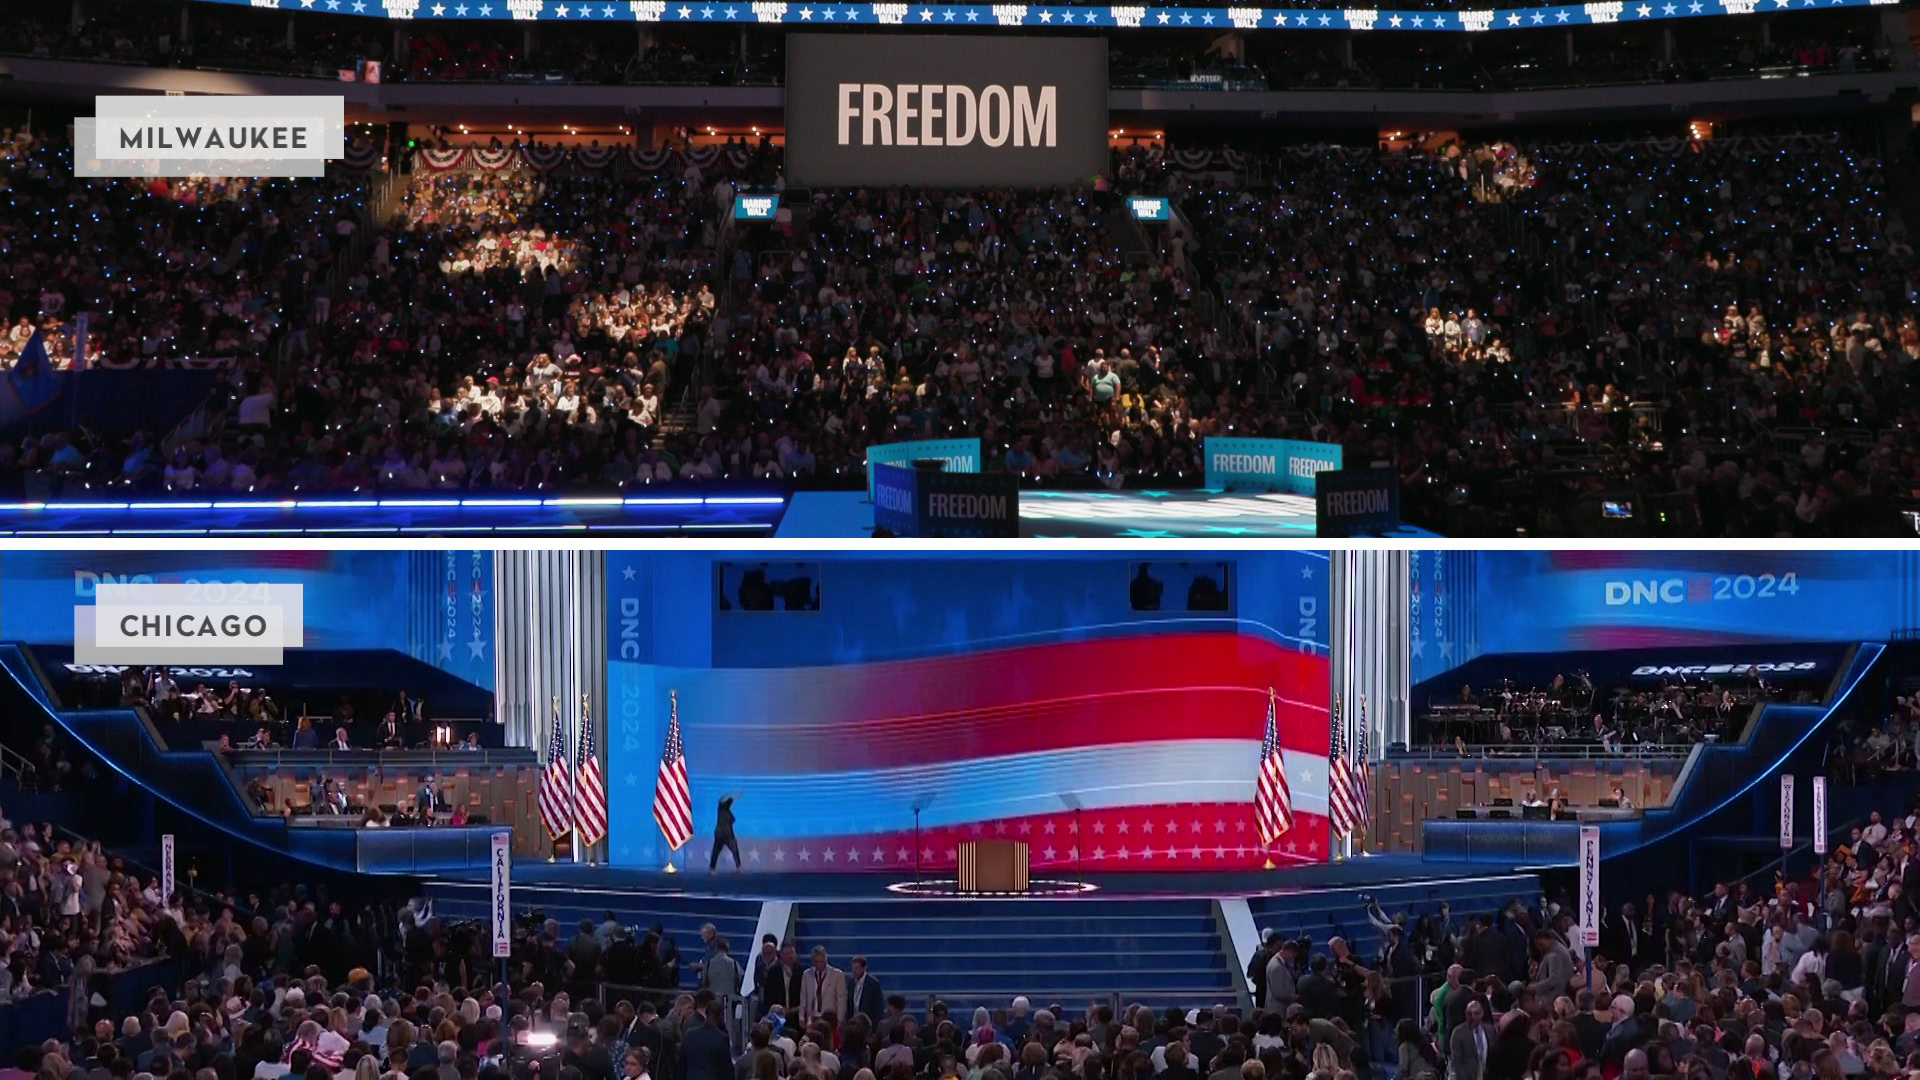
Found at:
[33, 380]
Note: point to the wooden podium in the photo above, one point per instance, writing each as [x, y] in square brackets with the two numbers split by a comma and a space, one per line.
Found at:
[993, 866]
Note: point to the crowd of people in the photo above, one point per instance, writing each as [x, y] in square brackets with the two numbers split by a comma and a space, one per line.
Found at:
[1629, 719]
[1714, 337]
[1860, 752]
[72, 914]
[1812, 975]
[1604, 287]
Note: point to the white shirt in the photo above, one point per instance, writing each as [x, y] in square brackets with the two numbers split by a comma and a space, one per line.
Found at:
[256, 409]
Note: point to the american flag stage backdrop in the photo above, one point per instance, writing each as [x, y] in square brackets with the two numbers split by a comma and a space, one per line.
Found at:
[556, 806]
[1272, 799]
[1161, 736]
[1343, 799]
[672, 794]
[591, 787]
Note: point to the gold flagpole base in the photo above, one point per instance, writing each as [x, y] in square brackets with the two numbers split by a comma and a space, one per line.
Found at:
[671, 869]
[1269, 864]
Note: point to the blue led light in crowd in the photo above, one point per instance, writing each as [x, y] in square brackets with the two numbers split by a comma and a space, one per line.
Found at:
[792, 12]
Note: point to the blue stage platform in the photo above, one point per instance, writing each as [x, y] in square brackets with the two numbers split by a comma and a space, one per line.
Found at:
[1070, 515]
[677, 510]
[1363, 872]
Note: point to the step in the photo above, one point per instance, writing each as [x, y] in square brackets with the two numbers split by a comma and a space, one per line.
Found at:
[1118, 961]
[1048, 908]
[1073, 1005]
[1077, 984]
[1062, 926]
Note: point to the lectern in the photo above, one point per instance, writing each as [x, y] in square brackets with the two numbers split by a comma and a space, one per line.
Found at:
[993, 866]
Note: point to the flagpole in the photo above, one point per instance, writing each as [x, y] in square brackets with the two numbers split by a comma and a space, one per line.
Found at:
[1366, 788]
[553, 848]
[1272, 704]
[1337, 849]
[573, 792]
[586, 722]
[1346, 691]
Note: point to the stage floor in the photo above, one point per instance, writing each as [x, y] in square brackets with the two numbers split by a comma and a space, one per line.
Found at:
[1357, 874]
[1069, 515]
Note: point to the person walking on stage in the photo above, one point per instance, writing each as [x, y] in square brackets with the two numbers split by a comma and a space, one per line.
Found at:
[723, 834]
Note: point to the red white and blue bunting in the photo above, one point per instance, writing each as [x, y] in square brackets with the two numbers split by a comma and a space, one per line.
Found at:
[545, 158]
[1600, 12]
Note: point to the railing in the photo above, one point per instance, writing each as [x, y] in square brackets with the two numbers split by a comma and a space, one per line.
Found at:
[38, 1017]
[15, 767]
[1542, 752]
[381, 759]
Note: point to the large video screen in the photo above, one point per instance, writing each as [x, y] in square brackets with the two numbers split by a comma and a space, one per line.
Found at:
[945, 111]
[1468, 604]
[1022, 697]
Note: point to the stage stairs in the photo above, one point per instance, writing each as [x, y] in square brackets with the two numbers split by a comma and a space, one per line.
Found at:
[680, 914]
[1155, 950]
[1324, 913]
[1070, 952]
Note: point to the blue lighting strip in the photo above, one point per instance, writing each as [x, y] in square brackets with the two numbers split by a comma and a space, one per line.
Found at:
[746, 512]
[1035, 16]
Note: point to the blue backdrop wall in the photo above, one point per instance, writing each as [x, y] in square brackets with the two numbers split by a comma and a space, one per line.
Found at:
[436, 606]
[1471, 603]
[981, 689]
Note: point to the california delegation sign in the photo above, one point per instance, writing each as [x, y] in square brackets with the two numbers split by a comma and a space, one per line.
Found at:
[500, 894]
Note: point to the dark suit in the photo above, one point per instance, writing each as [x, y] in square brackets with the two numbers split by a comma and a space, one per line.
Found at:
[705, 1053]
[865, 996]
[1486, 954]
[782, 990]
[1319, 994]
[1621, 942]
[1466, 1060]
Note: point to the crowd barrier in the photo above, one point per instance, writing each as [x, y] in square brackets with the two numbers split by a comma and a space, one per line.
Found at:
[39, 1017]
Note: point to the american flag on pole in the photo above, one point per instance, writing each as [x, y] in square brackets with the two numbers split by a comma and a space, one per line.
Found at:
[1343, 804]
[593, 787]
[1272, 799]
[555, 800]
[672, 800]
[1360, 780]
